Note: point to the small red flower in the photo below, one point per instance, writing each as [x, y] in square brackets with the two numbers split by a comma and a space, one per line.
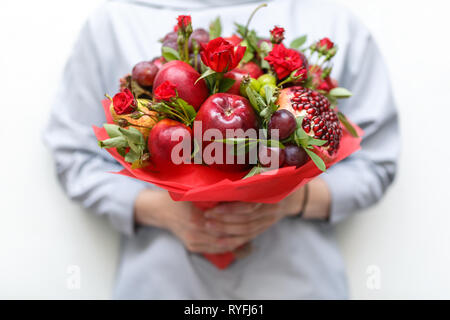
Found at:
[284, 61]
[166, 91]
[123, 102]
[302, 73]
[326, 43]
[277, 34]
[183, 22]
[221, 55]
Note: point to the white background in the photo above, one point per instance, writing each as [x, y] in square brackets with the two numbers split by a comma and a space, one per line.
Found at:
[397, 249]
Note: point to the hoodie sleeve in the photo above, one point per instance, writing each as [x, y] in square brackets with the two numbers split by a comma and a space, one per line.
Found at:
[83, 169]
[361, 180]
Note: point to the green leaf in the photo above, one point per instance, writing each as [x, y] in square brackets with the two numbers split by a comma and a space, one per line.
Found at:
[133, 135]
[316, 142]
[343, 119]
[122, 151]
[187, 108]
[340, 93]
[240, 29]
[170, 54]
[132, 156]
[272, 143]
[316, 159]
[215, 29]
[255, 170]
[226, 84]
[265, 47]
[298, 42]
[205, 74]
[244, 148]
[196, 149]
[269, 94]
[253, 97]
[248, 55]
[233, 140]
[112, 130]
[116, 142]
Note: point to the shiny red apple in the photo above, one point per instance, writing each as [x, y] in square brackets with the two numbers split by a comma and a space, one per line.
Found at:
[236, 75]
[253, 70]
[224, 111]
[164, 136]
[184, 77]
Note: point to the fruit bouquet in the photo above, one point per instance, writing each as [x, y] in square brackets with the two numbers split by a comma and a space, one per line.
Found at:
[240, 118]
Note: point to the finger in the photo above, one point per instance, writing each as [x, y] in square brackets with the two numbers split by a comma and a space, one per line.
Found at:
[233, 208]
[237, 229]
[232, 243]
[203, 242]
[239, 218]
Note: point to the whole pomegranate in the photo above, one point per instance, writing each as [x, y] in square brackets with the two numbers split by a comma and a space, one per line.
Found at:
[184, 77]
[161, 142]
[320, 120]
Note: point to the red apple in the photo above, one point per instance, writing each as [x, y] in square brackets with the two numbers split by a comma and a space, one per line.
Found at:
[160, 144]
[252, 69]
[158, 62]
[184, 77]
[224, 111]
[236, 75]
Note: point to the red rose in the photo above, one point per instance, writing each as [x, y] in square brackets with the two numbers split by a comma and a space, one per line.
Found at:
[284, 61]
[277, 34]
[326, 43]
[166, 91]
[123, 102]
[221, 55]
[183, 22]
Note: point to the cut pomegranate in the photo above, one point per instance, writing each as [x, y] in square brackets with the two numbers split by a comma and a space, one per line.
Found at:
[320, 120]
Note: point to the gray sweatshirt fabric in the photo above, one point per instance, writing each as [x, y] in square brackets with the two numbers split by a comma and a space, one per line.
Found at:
[295, 259]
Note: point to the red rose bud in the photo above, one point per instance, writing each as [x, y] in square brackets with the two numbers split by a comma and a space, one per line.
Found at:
[284, 61]
[277, 35]
[326, 44]
[123, 102]
[184, 22]
[221, 55]
[301, 75]
[166, 91]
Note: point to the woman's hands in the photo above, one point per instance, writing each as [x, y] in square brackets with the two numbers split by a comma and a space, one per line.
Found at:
[229, 225]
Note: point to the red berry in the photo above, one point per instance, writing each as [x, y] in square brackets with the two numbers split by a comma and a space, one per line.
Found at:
[284, 121]
[144, 73]
[294, 156]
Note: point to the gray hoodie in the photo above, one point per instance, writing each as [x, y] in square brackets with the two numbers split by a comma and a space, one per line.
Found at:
[295, 259]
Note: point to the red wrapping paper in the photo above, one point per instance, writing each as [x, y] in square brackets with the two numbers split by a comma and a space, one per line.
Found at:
[206, 186]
